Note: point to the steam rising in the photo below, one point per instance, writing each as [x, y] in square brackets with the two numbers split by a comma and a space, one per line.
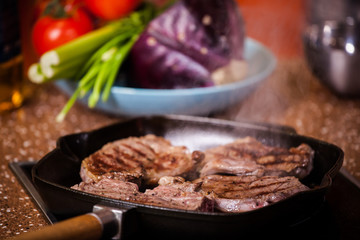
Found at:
[285, 88]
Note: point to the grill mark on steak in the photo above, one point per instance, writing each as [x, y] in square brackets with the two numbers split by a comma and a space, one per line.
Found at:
[113, 157]
[138, 152]
[149, 158]
[250, 157]
[124, 158]
[243, 193]
[144, 152]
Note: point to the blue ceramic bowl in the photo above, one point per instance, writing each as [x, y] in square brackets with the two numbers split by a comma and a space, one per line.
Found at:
[133, 102]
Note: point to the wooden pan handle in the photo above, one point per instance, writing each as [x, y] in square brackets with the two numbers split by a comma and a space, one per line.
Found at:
[88, 226]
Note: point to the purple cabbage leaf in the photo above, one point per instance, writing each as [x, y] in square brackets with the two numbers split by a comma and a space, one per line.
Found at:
[194, 43]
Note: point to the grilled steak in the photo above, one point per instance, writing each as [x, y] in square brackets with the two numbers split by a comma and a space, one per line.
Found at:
[176, 190]
[247, 156]
[112, 188]
[180, 196]
[133, 159]
[236, 177]
[244, 193]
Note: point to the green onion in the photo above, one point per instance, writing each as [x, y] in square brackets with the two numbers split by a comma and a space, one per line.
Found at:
[60, 117]
[118, 60]
[101, 76]
[53, 72]
[35, 74]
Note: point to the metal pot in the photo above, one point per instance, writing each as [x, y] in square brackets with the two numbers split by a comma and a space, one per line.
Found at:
[331, 42]
[332, 50]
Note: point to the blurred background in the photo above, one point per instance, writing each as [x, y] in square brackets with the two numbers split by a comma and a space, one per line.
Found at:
[292, 95]
[278, 24]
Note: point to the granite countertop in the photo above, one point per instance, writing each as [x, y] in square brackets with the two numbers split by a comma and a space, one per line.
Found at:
[291, 96]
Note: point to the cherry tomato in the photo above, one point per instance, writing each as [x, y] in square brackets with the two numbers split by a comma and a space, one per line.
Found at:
[111, 9]
[49, 32]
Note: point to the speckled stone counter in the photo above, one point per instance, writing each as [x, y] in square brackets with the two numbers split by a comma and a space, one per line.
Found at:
[291, 96]
[26, 135]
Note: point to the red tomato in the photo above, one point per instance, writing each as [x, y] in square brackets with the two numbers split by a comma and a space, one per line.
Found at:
[111, 9]
[49, 32]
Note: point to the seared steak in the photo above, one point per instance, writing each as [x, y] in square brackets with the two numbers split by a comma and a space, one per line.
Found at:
[112, 188]
[147, 158]
[236, 177]
[176, 190]
[244, 193]
[180, 196]
[247, 156]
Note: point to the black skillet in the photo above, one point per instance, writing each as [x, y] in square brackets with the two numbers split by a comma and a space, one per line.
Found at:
[55, 173]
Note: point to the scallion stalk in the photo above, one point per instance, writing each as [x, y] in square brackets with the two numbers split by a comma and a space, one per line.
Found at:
[118, 60]
[60, 117]
[102, 76]
[35, 74]
[54, 72]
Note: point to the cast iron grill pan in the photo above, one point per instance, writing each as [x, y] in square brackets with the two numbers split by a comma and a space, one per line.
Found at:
[56, 172]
